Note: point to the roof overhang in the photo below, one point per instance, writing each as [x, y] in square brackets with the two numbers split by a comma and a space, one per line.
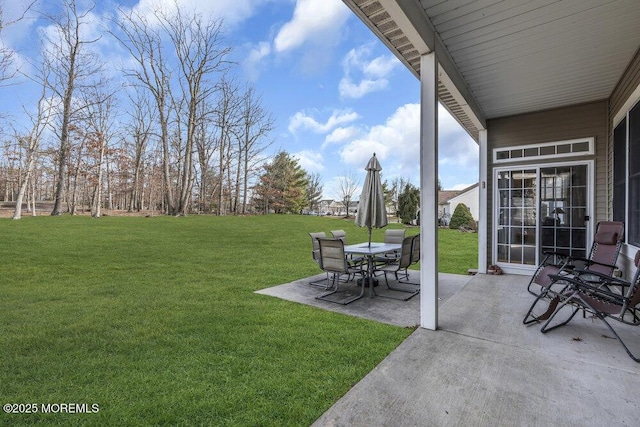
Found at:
[499, 58]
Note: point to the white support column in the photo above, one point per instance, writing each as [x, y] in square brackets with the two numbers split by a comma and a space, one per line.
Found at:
[482, 217]
[429, 191]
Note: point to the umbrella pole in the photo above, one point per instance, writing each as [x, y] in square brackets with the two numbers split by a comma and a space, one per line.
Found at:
[369, 236]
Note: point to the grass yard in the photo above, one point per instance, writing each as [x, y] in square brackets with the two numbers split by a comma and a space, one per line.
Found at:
[155, 320]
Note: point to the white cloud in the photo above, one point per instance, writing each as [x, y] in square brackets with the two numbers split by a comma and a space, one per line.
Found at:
[232, 12]
[459, 150]
[397, 141]
[349, 89]
[254, 61]
[312, 20]
[302, 121]
[341, 134]
[309, 160]
[370, 74]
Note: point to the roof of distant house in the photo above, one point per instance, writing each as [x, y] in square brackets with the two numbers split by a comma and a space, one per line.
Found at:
[445, 195]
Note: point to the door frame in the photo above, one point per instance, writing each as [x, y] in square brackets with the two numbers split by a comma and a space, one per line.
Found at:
[524, 269]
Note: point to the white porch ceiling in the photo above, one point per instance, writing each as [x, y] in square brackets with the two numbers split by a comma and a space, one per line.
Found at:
[505, 57]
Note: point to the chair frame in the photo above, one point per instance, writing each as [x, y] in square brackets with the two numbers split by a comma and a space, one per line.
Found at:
[405, 260]
[555, 263]
[394, 235]
[600, 301]
[315, 255]
[334, 262]
[593, 271]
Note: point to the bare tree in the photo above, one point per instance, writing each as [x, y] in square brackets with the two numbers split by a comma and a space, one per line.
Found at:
[200, 53]
[227, 120]
[144, 43]
[142, 117]
[256, 123]
[7, 55]
[347, 186]
[31, 143]
[72, 68]
[101, 128]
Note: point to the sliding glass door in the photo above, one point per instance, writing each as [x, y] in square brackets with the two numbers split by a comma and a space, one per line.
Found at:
[540, 209]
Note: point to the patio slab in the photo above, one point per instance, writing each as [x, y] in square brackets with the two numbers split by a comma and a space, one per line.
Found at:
[385, 310]
[483, 366]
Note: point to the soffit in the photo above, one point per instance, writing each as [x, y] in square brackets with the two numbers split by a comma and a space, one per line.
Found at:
[511, 57]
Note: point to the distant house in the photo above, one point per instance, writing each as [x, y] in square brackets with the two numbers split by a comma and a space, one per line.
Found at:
[335, 207]
[449, 199]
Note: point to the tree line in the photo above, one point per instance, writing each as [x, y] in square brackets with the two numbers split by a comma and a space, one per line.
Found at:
[175, 131]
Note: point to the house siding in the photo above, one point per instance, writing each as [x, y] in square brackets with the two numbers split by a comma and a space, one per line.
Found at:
[627, 84]
[578, 121]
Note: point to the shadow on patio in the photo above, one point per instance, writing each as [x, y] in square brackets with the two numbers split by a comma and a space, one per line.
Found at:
[483, 366]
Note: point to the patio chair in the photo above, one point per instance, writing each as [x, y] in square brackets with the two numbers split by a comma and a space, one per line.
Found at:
[391, 236]
[334, 263]
[601, 263]
[354, 261]
[602, 257]
[315, 255]
[402, 264]
[415, 258]
[600, 301]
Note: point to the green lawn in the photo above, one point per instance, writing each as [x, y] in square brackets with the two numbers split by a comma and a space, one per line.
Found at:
[155, 320]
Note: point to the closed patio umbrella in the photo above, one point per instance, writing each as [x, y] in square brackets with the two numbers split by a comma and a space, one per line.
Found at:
[372, 212]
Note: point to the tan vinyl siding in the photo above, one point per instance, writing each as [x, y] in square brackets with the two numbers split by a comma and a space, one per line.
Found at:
[578, 121]
[627, 84]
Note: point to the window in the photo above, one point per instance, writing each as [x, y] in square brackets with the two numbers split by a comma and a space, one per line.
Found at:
[626, 174]
[575, 147]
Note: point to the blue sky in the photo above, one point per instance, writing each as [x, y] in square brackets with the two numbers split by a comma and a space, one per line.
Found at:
[335, 90]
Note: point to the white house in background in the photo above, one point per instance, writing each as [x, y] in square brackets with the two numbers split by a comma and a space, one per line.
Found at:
[449, 199]
[470, 196]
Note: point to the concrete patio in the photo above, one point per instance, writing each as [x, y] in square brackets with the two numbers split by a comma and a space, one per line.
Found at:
[483, 366]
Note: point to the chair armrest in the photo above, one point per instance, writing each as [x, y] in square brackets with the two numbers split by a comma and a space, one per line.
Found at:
[600, 292]
[605, 279]
[594, 291]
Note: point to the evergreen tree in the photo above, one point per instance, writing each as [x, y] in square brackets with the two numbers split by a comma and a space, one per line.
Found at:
[462, 217]
[283, 186]
[408, 202]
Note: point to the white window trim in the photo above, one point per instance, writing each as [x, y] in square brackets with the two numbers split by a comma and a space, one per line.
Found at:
[524, 269]
[589, 152]
[626, 107]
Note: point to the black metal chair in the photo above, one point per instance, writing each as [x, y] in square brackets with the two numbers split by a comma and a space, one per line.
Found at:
[602, 300]
[601, 263]
[602, 257]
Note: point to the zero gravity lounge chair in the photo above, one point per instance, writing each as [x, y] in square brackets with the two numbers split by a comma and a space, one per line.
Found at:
[601, 263]
[602, 257]
[601, 301]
